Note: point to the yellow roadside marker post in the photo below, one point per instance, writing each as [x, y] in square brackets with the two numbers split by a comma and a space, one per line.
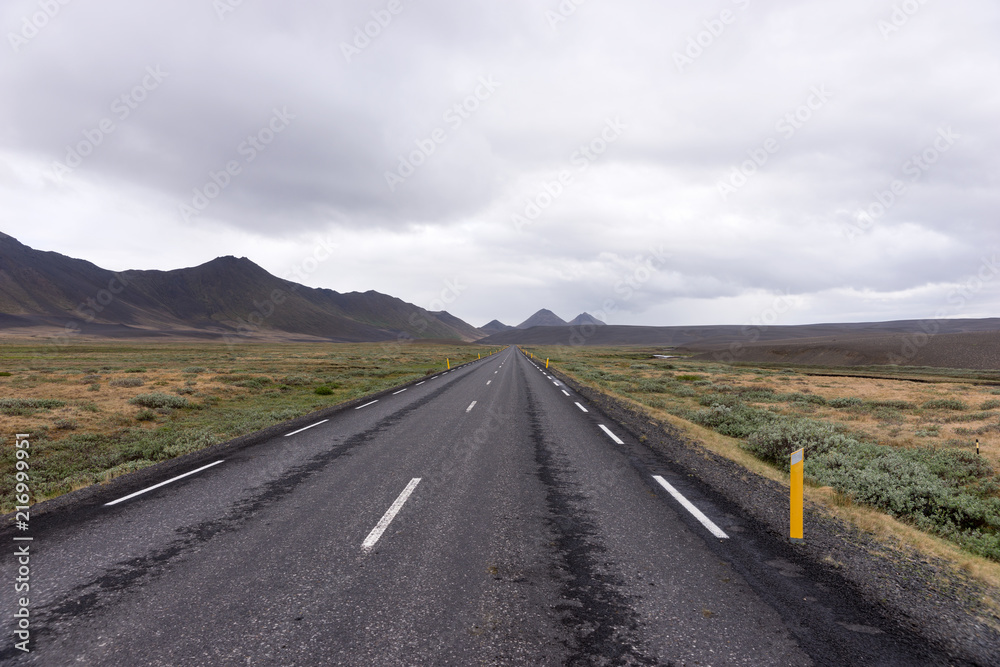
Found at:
[798, 463]
[546, 362]
[480, 355]
[448, 361]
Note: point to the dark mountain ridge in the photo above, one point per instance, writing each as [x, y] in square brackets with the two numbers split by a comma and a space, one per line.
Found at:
[226, 295]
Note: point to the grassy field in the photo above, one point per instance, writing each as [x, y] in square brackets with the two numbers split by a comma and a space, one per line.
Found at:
[903, 443]
[98, 411]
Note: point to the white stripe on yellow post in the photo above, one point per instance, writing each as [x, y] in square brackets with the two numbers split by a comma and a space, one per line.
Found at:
[795, 515]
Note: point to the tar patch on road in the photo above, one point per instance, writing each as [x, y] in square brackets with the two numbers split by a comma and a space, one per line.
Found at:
[601, 620]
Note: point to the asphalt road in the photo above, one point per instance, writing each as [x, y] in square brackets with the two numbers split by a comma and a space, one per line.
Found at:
[488, 516]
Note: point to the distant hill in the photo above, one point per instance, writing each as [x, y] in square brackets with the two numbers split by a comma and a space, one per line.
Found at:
[496, 326]
[543, 318]
[965, 343]
[225, 296]
[585, 318]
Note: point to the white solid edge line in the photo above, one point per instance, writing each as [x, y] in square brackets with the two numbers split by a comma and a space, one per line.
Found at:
[367, 404]
[581, 407]
[705, 521]
[398, 392]
[305, 428]
[156, 486]
[565, 392]
[389, 515]
[420, 383]
[471, 405]
[613, 436]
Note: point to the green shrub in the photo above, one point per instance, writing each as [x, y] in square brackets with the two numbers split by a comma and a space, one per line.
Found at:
[126, 382]
[991, 404]
[66, 424]
[796, 397]
[135, 370]
[738, 421]
[159, 400]
[775, 442]
[21, 407]
[686, 377]
[946, 404]
[891, 404]
[5, 374]
[296, 380]
[254, 383]
[146, 415]
[94, 387]
[190, 441]
[323, 391]
[850, 403]
[194, 369]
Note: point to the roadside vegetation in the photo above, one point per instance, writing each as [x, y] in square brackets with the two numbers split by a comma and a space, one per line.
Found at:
[906, 447]
[98, 411]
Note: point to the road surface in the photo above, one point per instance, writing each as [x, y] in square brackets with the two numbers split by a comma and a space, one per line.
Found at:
[484, 516]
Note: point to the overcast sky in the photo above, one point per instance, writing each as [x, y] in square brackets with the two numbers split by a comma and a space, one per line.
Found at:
[659, 163]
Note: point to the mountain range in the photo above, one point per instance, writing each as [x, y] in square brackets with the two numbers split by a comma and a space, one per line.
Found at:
[227, 296]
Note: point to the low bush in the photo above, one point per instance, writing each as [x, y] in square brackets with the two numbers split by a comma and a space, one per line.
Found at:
[323, 391]
[991, 404]
[21, 407]
[159, 400]
[776, 441]
[842, 403]
[946, 404]
[194, 370]
[126, 382]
